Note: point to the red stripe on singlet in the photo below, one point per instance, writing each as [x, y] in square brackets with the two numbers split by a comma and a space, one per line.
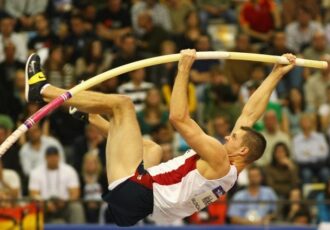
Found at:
[175, 176]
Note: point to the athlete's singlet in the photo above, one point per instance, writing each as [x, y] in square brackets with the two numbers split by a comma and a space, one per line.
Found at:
[180, 190]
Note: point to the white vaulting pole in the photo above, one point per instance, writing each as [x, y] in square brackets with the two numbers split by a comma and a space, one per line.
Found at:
[200, 56]
[142, 64]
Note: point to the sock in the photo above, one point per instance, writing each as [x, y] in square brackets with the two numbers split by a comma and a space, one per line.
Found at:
[44, 87]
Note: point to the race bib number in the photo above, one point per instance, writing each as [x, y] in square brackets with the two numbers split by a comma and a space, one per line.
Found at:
[206, 198]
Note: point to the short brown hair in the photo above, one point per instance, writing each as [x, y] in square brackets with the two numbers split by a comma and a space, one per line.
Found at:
[256, 143]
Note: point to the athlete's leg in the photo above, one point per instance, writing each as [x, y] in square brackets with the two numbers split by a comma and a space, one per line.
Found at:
[124, 145]
[87, 101]
[152, 152]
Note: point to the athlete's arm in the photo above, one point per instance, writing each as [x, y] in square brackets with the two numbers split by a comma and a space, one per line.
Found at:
[258, 101]
[205, 146]
[100, 123]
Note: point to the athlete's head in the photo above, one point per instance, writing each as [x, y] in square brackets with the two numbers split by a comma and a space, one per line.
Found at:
[245, 143]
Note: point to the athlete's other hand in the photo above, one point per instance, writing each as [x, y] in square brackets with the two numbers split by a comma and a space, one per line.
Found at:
[187, 58]
[283, 69]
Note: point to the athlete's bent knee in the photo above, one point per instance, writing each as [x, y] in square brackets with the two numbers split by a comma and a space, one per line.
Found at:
[125, 101]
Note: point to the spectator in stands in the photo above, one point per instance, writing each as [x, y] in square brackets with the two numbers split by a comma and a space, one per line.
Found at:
[89, 13]
[109, 86]
[289, 9]
[93, 62]
[302, 217]
[9, 65]
[63, 34]
[32, 153]
[60, 10]
[292, 112]
[220, 98]
[258, 75]
[259, 18]
[24, 11]
[74, 128]
[18, 95]
[10, 182]
[154, 35]
[44, 39]
[253, 213]
[178, 11]
[316, 85]
[90, 141]
[300, 32]
[282, 172]
[93, 183]
[8, 69]
[164, 74]
[240, 75]
[164, 136]
[57, 184]
[192, 31]
[58, 71]
[5, 95]
[158, 12]
[127, 52]
[327, 30]
[273, 135]
[113, 21]
[11, 159]
[296, 209]
[7, 122]
[5, 200]
[154, 113]
[201, 68]
[79, 38]
[7, 34]
[323, 207]
[219, 127]
[324, 114]
[136, 88]
[278, 46]
[310, 151]
[318, 47]
[215, 9]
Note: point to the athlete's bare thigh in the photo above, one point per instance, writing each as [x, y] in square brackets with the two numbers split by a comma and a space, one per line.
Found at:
[125, 146]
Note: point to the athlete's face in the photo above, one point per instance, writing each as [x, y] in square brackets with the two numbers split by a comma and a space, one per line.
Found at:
[234, 143]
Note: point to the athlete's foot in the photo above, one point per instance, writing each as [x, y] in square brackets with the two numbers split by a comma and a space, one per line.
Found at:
[35, 79]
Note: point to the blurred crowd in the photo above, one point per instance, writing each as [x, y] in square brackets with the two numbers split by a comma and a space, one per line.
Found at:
[61, 159]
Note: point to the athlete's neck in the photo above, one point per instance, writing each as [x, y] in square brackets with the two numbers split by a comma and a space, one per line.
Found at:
[238, 162]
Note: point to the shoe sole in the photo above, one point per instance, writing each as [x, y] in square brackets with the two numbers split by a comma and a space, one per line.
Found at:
[27, 87]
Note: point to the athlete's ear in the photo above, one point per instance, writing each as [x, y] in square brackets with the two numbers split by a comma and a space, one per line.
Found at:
[243, 151]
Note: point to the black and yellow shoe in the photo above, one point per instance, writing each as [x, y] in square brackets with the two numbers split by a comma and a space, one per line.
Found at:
[34, 79]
